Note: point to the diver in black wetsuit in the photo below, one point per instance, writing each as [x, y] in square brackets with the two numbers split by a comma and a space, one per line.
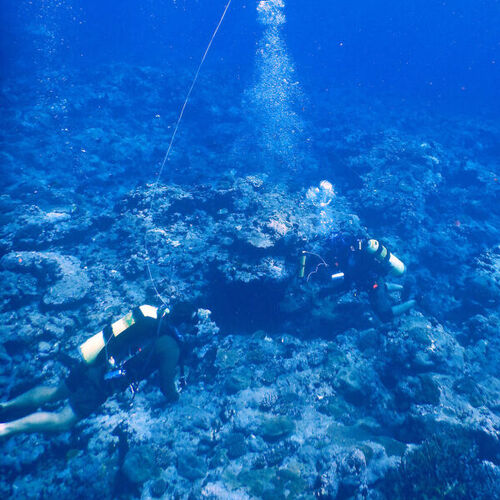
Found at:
[365, 263]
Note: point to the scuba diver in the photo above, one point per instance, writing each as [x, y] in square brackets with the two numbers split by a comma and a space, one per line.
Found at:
[123, 353]
[363, 263]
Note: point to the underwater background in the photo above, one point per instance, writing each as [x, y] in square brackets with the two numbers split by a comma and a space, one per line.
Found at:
[292, 392]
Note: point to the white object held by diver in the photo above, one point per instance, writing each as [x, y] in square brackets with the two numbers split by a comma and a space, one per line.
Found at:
[337, 278]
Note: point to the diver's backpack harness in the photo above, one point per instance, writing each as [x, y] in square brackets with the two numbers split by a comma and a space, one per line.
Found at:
[91, 348]
[117, 372]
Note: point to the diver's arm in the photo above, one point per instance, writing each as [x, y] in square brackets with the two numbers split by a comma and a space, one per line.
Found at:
[167, 354]
[393, 287]
[399, 309]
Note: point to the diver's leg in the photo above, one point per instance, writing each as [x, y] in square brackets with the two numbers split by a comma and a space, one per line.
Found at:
[40, 422]
[402, 308]
[34, 398]
[393, 287]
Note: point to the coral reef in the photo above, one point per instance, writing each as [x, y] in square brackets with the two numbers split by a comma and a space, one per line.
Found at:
[291, 392]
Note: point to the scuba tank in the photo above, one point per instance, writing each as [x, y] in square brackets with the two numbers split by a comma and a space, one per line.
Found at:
[302, 264]
[93, 346]
[380, 253]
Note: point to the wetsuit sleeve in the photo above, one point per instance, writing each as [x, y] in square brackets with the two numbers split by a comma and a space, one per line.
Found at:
[167, 355]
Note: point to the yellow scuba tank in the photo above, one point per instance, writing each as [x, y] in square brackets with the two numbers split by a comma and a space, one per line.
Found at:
[91, 348]
[302, 266]
[382, 255]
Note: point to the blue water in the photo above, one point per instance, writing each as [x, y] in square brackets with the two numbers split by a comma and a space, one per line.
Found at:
[444, 52]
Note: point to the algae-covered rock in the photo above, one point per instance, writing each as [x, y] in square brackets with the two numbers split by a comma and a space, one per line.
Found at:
[275, 428]
[338, 408]
[274, 483]
[219, 458]
[139, 465]
[352, 473]
[191, 466]
[269, 375]
[227, 358]
[235, 445]
[352, 385]
[471, 390]
[237, 381]
[354, 435]
[66, 282]
[416, 390]
[428, 390]
[158, 487]
[433, 347]
[289, 484]
[257, 482]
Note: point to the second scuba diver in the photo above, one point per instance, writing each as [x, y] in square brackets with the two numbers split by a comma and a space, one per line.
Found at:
[364, 263]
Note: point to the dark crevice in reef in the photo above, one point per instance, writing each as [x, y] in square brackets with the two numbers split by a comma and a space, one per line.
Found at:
[245, 307]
